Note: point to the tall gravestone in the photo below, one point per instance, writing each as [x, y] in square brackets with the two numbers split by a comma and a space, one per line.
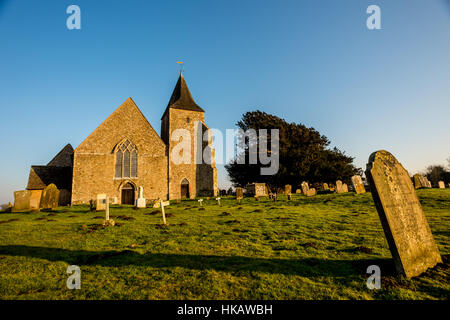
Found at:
[305, 187]
[404, 223]
[49, 197]
[358, 184]
[141, 202]
[339, 188]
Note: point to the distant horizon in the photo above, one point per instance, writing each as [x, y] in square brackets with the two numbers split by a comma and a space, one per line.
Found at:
[307, 63]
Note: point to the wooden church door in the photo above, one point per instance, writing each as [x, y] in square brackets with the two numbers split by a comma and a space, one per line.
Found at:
[128, 194]
[184, 189]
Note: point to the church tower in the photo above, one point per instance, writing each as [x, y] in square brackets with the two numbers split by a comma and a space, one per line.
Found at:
[188, 174]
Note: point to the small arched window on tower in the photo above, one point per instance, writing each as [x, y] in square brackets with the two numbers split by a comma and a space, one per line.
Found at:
[126, 160]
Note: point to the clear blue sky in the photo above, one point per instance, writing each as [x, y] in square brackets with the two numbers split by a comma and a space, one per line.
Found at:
[313, 62]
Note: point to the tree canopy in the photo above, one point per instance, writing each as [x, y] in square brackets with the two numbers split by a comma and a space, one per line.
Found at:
[303, 155]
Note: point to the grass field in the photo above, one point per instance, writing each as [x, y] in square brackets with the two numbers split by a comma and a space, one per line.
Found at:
[307, 248]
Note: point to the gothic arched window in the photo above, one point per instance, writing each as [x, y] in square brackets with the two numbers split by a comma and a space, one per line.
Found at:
[126, 160]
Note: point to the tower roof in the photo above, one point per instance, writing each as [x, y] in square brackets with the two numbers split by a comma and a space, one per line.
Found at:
[181, 98]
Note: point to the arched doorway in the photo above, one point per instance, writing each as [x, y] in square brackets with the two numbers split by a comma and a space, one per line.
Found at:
[128, 194]
[185, 189]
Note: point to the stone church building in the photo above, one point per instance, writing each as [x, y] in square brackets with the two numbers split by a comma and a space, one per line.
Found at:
[125, 152]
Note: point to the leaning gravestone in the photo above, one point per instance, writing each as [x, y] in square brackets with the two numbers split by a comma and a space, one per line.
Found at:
[49, 197]
[358, 184]
[441, 184]
[417, 181]
[311, 192]
[404, 223]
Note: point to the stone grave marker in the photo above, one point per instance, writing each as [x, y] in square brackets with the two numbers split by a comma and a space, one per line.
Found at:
[287, 189]
[35, 200]
[339, 188]
[200, 202]
[141, 202]
[344, 188]
[404, 223]
[239, 194]
[298, 191]
[218, 200]
[49, 197]
[161, 204]
[311, 192]
[325, 186]
[441, 184]
[305, 187]
[107, 222]
[21, 201]
[358, 184]
[101, 202]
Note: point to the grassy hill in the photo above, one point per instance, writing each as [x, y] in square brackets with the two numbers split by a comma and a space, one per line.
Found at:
[307, 248]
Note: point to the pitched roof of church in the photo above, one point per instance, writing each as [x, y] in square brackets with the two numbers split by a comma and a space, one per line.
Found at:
[181, 98]
[64, 158]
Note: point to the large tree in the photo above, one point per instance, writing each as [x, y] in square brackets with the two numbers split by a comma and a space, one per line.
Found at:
[303, 155]
[436, 173]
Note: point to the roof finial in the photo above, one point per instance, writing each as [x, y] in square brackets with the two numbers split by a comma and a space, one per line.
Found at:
[181, 63]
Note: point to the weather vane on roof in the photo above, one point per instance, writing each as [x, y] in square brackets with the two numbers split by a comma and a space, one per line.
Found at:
[181, 63]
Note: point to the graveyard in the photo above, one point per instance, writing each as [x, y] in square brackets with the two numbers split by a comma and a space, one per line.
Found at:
[308, 247]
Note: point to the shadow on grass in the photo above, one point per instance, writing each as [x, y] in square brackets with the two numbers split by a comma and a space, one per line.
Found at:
[308, 267]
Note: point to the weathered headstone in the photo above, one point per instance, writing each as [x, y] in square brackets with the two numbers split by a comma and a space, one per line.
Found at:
[101, 202]
[305, 187]
[239, 194]
[358, 184]
[325, 186]
[49, 197]
[218, 200]
[344, 187]
[311, 192]
[200, 202]
[141, 202]
[405, 225]
[298, 191]
[21, 201]
[287, 189]
[35, 199]
[421, 182]
[339, 187]
[441, 184]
